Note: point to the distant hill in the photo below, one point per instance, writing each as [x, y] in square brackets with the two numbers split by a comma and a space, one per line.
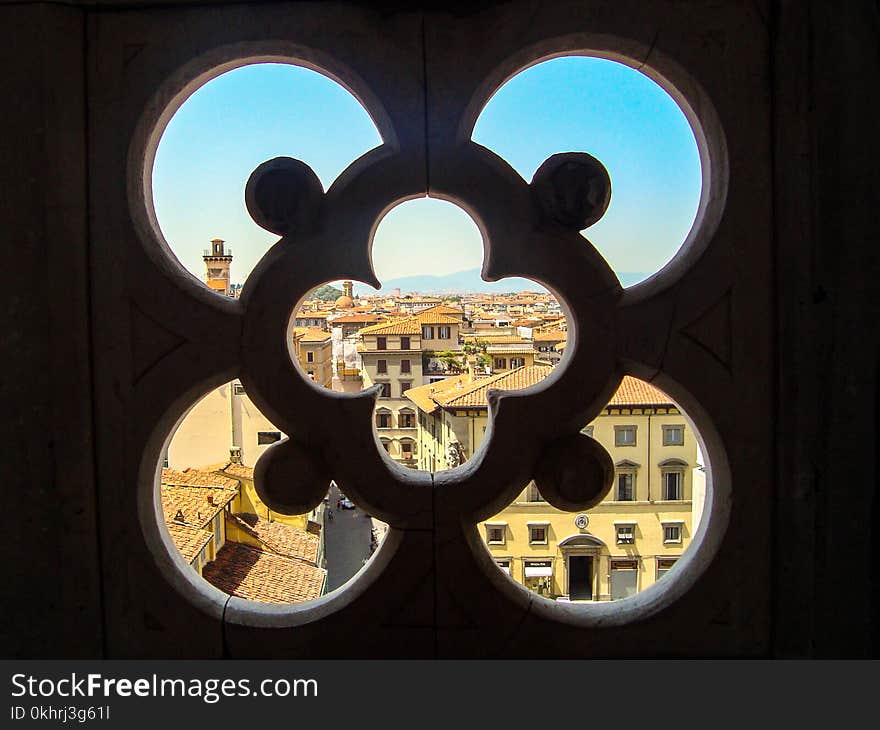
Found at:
[469, 282]
[326, 293]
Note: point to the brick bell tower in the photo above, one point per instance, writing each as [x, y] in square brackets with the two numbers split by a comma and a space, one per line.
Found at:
[217, 261]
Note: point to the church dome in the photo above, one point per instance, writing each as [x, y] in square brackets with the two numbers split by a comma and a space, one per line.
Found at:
[346, 301]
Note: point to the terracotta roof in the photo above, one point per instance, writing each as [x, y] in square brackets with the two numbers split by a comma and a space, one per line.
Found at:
[425, 396]
[553, 322]
[464, 393]
[246, 572]
[443, 309]
[550, 336]
[313, 334]
[461, 392]
[287, 540]
[238, 471]
[635, 392]
[475, 394]
[409, 326]
[194, 506]
[189, 541]
[197, 478]
[431, 316]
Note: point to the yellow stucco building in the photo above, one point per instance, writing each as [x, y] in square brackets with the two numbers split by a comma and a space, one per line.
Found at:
[314, 350]
[621, 546]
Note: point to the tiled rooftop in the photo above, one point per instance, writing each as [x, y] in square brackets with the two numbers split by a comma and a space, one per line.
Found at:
[197, 505]
[312, 334]
[197, 478]
[188, 540]
[461, 393]
[432, 316]
[426, 397]
[409, 326]
[474, 394]
[443, 309]
[246, 572]
[635, 392]
[238, 471]
[551, 336]
[287, 540]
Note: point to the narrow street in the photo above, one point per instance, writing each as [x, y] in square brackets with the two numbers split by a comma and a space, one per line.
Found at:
[346, 541]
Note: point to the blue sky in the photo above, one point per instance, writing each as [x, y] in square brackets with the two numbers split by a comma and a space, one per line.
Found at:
[244, 117]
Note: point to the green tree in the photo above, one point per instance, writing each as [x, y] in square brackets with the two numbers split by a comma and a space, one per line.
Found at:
[326, 293]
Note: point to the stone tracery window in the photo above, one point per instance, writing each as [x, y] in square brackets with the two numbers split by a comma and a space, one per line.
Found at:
[487, 475]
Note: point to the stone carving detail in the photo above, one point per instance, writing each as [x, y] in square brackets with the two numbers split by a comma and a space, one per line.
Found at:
[284, 196]
[531, 230]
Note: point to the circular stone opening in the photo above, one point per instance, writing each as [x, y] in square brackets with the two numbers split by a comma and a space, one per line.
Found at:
[219, 524]
[220, 134]
[629, 122]
[648, 526]
[433, 337]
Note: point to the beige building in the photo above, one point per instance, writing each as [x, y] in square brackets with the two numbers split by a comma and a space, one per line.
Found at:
[311, 318]
[315, 354]
[224, 421]
[391, 354]
[505, 357]
[621, 546]
[453, 414]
